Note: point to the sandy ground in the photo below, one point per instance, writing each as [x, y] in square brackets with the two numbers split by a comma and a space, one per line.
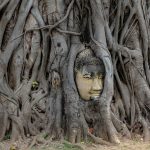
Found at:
[124, 145]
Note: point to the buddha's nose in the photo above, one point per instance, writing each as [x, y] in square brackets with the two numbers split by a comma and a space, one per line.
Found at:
[97, 84]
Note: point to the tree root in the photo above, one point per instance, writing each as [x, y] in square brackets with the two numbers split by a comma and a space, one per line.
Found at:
[98, 140]
[4, 3]
[38, 139]
[32, 143]
[79, 146]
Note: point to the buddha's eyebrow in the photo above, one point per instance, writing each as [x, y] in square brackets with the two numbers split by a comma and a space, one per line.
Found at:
[95, 73]
[86, 74]
[101, 73]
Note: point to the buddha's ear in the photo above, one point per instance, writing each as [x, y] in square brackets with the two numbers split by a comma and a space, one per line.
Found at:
[75, 70]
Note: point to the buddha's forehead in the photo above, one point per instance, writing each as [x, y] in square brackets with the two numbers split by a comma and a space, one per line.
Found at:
[92, 69]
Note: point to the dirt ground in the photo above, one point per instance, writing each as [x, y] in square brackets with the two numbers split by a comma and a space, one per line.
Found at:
[124, 145]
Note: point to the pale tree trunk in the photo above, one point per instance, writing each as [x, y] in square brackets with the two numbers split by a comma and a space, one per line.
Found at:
[39, 44]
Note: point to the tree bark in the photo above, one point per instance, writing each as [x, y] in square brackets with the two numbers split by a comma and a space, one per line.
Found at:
[39, 44]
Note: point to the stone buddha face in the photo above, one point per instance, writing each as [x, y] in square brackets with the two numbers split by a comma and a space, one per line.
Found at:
[89, 75]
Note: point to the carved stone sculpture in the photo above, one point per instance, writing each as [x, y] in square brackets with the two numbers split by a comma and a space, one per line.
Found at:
[89, 75]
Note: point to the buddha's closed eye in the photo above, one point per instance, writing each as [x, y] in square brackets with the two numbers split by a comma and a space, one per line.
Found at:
[87, 76]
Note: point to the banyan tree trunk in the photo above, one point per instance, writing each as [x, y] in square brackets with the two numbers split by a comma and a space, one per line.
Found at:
[39, 44]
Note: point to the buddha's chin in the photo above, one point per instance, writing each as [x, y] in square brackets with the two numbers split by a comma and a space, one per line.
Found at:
[94, 98]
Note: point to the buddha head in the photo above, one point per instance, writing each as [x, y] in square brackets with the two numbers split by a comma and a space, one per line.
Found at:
[89, 75]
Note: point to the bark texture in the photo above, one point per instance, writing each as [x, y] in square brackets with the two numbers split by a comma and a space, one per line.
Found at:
[39, 43]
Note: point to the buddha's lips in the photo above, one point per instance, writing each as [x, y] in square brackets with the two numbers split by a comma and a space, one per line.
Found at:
[95, 93]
